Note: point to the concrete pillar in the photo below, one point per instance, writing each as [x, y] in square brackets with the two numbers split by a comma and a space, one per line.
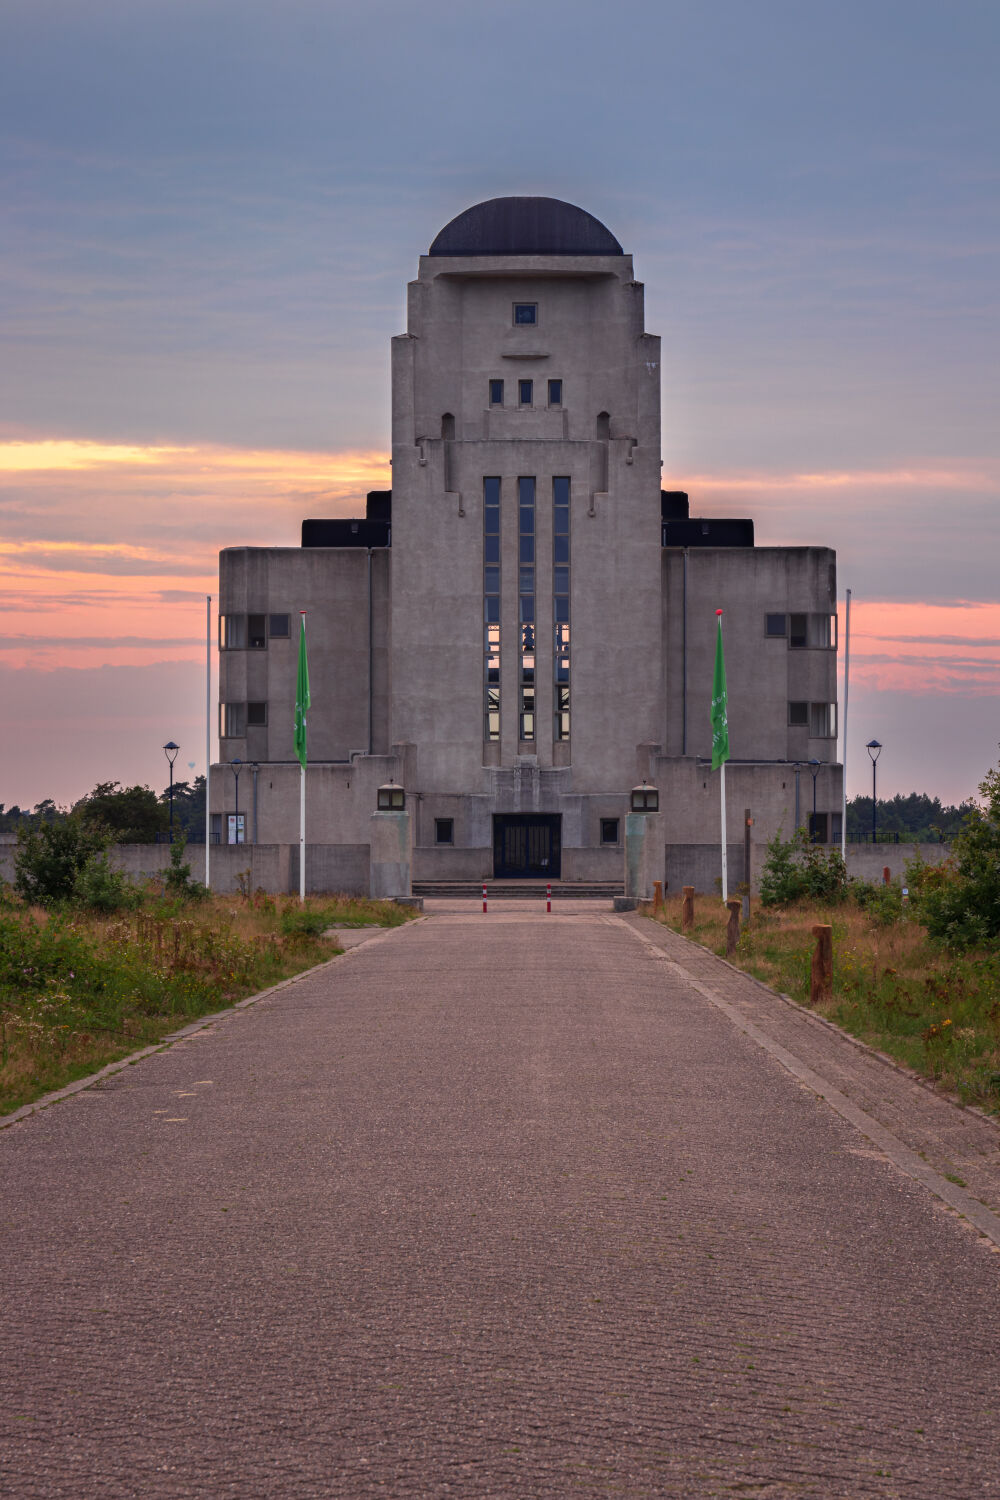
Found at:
[643, 854]
[390, 843]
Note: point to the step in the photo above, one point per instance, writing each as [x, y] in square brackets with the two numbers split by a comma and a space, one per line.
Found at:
[520, 890]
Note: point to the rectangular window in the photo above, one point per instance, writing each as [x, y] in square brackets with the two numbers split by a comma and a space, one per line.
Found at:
[822, 721]
[776, 625]
[277, 626]
[797, 629]
[257, 632]
[491, 607]
[256, 713]
[232, 720]
[609, 830]
[561, 604]
[525, 392]
[232, 632]
[496, 393]
[798, 713]
[555, 393]
[215, 829]
[526, 603]
[444, 830]
[525, 313]
[836, 827]
[822, 631]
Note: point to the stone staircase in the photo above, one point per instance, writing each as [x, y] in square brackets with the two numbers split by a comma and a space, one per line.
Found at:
[521, 890]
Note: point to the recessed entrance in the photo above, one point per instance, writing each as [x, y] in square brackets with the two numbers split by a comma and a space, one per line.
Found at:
[527, 846]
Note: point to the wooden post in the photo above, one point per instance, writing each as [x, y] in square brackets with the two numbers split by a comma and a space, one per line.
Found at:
[821, 977]
[747, 825]
[886, 876]
[657, 897]
[687, 909]
[733, 926]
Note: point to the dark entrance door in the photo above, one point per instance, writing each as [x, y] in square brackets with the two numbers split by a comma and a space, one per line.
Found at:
[526, 846]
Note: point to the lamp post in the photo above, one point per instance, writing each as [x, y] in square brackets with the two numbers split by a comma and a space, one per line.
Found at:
[170, 751]
[874, 749]
[815, 767]
[797, 769]
[237, 766]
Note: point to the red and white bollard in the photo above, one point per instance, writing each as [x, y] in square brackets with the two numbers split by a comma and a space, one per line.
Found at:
[484, 897]
[548, 897]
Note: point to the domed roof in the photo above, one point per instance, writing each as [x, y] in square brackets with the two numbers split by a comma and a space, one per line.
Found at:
[525, 226]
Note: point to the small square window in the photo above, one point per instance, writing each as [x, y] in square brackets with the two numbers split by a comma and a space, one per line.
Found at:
[496, 393]
[444, 830]
[798, 713]
[776, 625]
[525, 392]
[277, 626]
[525, 313]
[257, 632]
[257, 713]
[232, 632]
[555, 393]
[609, 830]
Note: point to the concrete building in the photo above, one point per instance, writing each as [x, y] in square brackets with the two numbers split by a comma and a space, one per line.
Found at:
[523, 629]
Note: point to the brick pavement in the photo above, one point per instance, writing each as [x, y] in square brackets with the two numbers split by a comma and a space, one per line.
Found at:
[489, 1207]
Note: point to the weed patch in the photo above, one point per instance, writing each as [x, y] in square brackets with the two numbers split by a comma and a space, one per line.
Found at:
[80, 988]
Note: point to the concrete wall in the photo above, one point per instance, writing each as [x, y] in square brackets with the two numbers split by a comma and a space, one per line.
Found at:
[867, 861]
[763, 674]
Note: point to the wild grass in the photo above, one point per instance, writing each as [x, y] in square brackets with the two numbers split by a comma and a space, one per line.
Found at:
[79, 989]
[936, 1011]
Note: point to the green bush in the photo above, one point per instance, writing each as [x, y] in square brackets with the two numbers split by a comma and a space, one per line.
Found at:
[881, 903]
[100, 888]
[796, 869]
[178, 880]
[51, 856]
[961, 908]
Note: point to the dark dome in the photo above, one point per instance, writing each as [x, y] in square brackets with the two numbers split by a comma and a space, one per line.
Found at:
[525, 226]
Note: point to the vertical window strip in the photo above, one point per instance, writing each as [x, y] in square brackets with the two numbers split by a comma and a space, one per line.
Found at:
[560, 603]
[526, 605]
[491, 607]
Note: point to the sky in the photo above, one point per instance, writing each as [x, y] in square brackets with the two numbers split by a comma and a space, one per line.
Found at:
[210, 212]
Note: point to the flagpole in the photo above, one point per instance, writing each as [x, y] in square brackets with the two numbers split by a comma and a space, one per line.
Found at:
[847, 689]
[208, 730]
[302, 797]
[725, 867]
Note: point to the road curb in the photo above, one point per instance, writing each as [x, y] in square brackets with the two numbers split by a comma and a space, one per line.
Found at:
[209, 1019]
[902, 1156]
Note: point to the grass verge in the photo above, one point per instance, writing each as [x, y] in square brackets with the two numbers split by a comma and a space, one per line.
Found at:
[79, 990]
[937, 1012]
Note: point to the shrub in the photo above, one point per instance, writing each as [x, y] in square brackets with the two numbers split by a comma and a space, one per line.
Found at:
[796, 869]
[51, 856]
[881, 903]
[101, 888]
[962, 907]
[178, 881]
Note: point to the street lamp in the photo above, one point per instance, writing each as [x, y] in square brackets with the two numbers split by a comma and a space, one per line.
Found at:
[170, 751]
[815, 767]
[237, 766]
[874, 749]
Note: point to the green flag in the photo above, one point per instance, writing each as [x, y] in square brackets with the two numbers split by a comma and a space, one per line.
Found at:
[720, 709]
[302, 699]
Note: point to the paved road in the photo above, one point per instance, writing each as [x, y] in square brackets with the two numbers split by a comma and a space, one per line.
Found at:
[495, 1207]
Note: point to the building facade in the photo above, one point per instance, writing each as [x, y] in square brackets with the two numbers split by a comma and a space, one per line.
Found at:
[524, 628]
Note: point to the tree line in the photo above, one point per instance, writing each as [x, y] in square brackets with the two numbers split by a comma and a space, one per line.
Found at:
[917, 818]
[129, 814]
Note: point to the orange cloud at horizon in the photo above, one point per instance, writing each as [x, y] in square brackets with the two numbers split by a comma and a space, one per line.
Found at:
[108, 550]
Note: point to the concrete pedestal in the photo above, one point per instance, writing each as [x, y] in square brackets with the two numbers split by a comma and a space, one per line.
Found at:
[391, 842]
[643, 855]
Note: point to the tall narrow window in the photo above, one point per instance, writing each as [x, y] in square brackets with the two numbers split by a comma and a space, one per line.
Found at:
[496, 393]
[560, 602]
[526, 604]
[525, 392]
[555, 393]
[491, 606]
